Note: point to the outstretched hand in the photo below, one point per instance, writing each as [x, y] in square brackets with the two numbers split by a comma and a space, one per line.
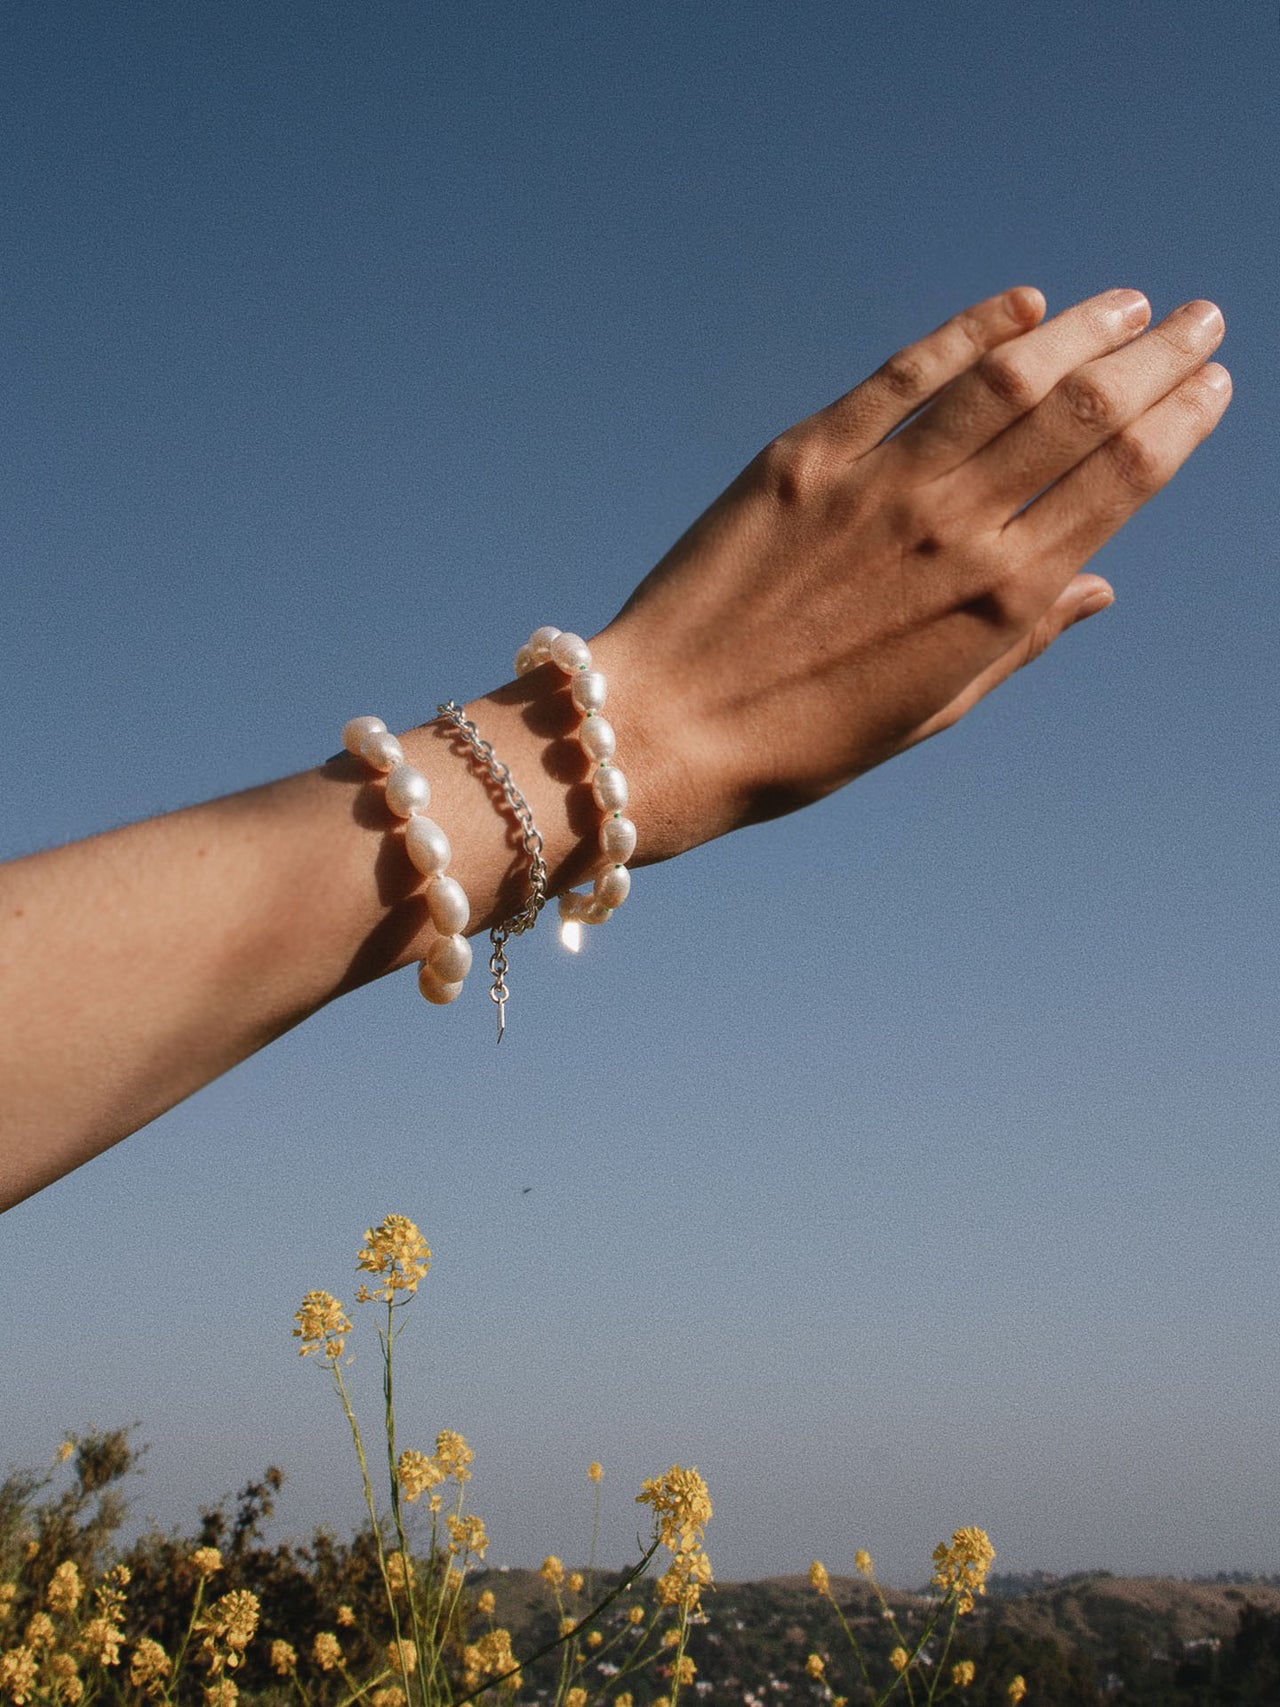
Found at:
[885, 563]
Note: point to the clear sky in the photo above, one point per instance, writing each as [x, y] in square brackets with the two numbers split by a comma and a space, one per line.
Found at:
[906, 1164]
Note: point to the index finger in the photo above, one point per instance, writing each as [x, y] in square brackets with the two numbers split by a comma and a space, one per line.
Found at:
[912, 375]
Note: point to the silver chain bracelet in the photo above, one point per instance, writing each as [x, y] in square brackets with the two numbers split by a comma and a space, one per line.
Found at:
[531, 839]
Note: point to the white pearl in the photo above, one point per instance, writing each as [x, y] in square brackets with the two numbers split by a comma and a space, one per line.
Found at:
[612, 886]
[435, 989]
[525, 661]
[618, 838]
[570, 653]
[427, 845]
[381, 750]
[540, 643]
[355, 730]
[570, 903]
[448, 905]
[589, 690]
[407, 790]
[609, 789]
[595, 913]
[449, 957]
[596, 737]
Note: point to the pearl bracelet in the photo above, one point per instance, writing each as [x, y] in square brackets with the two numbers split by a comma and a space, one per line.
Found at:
[408, 794]
[617, 837]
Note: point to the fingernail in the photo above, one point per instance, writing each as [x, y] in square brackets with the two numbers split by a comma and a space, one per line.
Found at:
[1216, 377]
[1207, 315]
[1093, 604]
[1026, 304]
[1131, 307]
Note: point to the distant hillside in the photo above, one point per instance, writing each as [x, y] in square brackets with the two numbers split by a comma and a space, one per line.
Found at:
[1094, 1612]
[1080, 1642]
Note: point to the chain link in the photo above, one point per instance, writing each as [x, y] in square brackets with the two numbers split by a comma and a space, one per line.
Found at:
[527, 917]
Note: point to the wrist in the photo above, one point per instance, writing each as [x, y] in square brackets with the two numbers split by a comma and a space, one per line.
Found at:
[533, 727]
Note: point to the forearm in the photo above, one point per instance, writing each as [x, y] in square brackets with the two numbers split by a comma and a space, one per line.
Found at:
[139, 965]
[872, 574]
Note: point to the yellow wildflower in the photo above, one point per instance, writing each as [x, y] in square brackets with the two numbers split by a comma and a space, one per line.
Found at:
[467, 1536]
[390, 1696]
[109, 1596]
[819, 1578]
[228, 1627]
[206, 1561]
[100, 1640]
[568, 1626]
[670, 1638]
[681, 1506]
[221, 1693]
[346, 1617]
[962, 1567]
[61, 1669]
[576, 1582]
[284, 1658]
[403, 1657]
[685, 1671]
[594, 1639]
[64, 1451]
[8, 1594]
[663, 1701]
[552, 1571]
[963, 1673]
[595, 1471]
[486, 1604]
[453, 1455]
[150, 1667]
[39, 1631]
[839, 1701]
[576, 1698]
[815, 1665]
[417, 1473]
[399, 1577]
[454, 1579]
[899, 1659]
[682, 1583]
[862, 1562]
[18, 1674]
[326, 1650]
[398, 1254]
[636, 1615]
[322, 1325]
[491, 1656]
[623, 1700]
[65, 1588]
[1017, 1690]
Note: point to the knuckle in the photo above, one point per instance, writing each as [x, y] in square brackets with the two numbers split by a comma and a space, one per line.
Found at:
[908, 374]
[1090, 401]
[794, 468]
[1136, 463]
[1037, 642]
[1007, 382]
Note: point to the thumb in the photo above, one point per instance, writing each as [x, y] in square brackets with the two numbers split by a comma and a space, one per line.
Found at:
[1084, 597]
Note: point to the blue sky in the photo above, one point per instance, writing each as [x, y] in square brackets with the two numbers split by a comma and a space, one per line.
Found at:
[905, 1164]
